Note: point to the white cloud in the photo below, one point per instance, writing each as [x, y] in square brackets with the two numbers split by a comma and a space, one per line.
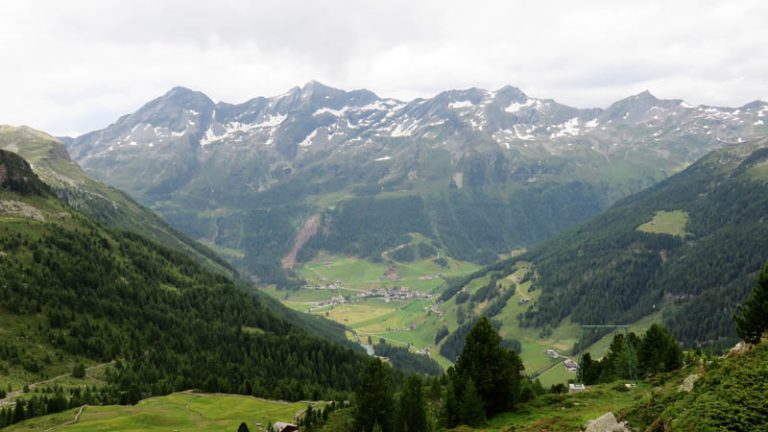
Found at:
[69, 67]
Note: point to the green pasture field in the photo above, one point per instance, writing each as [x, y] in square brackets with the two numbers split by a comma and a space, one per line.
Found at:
[175, 412]
[663, 222]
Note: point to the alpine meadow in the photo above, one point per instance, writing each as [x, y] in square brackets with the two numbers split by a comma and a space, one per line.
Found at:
[197, 234]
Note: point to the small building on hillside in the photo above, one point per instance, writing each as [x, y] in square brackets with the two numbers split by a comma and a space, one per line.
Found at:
[571, 365]
[284, 427]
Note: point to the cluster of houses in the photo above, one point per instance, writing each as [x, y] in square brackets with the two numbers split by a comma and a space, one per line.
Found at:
[396, 293]
[335, 300]
[388, 294]
[331, 286]
[570, 365]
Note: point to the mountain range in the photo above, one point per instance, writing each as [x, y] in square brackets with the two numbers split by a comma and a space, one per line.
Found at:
[477, 172]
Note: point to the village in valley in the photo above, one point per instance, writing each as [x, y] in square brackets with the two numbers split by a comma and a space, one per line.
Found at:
[398, 303]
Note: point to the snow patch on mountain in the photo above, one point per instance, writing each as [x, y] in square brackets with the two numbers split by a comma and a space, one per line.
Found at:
[516, 106]
[571, 127]
[272, 121]
[405, 128]
[309, 139]
[461, 104]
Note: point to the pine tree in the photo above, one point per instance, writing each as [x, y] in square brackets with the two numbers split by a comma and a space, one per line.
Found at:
[752, 317]
[658, 352]
[375, 403]
[495, 371]
[78, 371]
[472, 409]
[412, 414]
[589, 370]
[450, 408]
[243, 428]
[18, 412]
[435, 390]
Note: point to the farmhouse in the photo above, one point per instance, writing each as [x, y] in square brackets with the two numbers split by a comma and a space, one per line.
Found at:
[284, 427]
[391, 273]
[571, 365]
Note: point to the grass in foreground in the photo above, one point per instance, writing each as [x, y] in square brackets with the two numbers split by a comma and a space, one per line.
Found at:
[176, 412]
[564, 412]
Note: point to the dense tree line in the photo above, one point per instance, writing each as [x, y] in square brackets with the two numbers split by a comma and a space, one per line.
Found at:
[413, 252]
[366, 227]
[636, 357]
[108, 295]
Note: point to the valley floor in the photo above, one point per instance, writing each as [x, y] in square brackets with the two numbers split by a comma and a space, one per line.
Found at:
[339, 288]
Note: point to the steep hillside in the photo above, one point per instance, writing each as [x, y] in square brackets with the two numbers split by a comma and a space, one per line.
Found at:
[727, 394]
[478, 172]
[51, 162]
[688, 247]
[73, 291]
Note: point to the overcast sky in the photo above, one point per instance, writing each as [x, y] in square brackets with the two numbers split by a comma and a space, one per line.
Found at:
[69, 67]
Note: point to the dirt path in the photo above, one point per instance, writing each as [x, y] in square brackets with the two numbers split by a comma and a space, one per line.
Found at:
[70, 422]
[306, 232]
[11, 396]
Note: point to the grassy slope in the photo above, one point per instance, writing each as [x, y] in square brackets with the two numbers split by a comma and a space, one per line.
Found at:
[664, 222]
[178, 411]
[731, 394]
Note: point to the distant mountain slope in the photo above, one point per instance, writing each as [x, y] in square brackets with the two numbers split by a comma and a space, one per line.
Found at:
[479, 172]
[94, 293]
[105, 204]
[689, 246]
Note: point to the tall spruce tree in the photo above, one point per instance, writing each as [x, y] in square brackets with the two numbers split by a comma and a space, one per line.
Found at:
[658, 352]
[374, 398]
[589, 370]
[752, 317]
[495, 371]
[412, 414]
[472, 409]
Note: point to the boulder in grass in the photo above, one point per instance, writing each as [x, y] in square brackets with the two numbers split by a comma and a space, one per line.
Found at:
[606, 423]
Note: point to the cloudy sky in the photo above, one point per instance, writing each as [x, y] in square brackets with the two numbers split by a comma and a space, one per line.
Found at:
[69, 67]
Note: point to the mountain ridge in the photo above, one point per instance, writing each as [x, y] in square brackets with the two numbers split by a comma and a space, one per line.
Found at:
[50, 160]
[469, 157]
